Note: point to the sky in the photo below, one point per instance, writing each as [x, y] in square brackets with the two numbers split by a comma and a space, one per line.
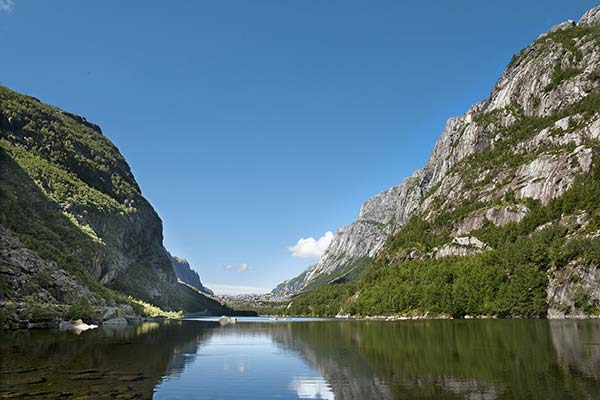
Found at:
[257, 128]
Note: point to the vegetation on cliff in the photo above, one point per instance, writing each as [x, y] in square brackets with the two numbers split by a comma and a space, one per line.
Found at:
[508, 280]
[73, 220]
[535, 153]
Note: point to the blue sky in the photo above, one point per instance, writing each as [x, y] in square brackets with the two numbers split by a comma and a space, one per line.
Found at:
[252, 124]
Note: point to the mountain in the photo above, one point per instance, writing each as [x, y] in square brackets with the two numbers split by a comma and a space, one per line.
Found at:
[517, 169]
[294, 285]
[73, 220]
[186, 274]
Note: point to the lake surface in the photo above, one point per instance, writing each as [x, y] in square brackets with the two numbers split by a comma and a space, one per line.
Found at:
[258, 359]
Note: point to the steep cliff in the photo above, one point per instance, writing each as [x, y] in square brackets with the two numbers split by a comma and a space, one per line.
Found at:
[187, 275]
[527, 144]
[71, 208]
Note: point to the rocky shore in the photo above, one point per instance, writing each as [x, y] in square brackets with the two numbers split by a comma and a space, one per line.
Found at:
[24, 315]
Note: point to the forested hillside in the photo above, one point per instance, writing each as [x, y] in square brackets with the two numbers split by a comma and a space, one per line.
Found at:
[73, 220]
[504, 219]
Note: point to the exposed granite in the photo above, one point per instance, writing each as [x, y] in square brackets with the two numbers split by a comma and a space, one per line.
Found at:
[527, 88]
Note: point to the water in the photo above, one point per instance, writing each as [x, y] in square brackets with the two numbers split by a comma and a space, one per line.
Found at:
[316, 359]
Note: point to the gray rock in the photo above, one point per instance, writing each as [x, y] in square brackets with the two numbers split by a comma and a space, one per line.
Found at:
[559, 27]
[292, 286]
[227, 320]
[591, 17]
[109, 229]
[568, 286]
[440, 185]
[187, 275]
[562, 26]
[24, 273]
[461, 246]
[110, 312]
[498, 216]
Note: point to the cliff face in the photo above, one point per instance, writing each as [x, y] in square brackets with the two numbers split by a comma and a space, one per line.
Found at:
[530, 139]
[186, 274]
[69, 200]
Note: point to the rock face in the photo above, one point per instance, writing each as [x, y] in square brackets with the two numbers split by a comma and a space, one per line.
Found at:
[572, 289]
[461, 246]
[535, 137]
[187, 275]
[73, 217]
[23, 273]
[294, 285]
[499, 216]
[591, 17]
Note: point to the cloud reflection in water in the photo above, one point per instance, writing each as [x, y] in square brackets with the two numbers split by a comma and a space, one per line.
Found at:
[312, 388]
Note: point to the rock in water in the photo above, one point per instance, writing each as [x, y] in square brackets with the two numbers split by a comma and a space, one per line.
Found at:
[227, 320]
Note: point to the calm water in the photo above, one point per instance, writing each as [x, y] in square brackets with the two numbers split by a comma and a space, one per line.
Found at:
[308, 360]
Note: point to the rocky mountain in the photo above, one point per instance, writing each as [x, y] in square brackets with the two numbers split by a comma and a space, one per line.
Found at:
[294, 285]
[187, 275]
[73, 220]
[529, 145]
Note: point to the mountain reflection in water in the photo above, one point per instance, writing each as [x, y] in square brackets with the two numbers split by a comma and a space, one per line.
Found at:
[490, 359]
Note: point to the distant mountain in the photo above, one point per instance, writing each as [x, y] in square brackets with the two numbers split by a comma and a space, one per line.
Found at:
[73, 220]
[293, 286]
[504, 217]
[186, 274]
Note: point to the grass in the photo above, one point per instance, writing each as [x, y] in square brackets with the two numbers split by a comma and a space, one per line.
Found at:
[150, 310]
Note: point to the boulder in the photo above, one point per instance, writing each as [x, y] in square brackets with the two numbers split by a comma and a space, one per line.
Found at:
[227, 320]
[110, 312]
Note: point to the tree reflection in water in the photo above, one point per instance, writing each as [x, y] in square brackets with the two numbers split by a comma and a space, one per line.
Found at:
[488, 359]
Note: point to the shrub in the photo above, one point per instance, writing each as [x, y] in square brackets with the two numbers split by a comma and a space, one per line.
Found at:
[559, 76]
[40, 312]
[82, 309]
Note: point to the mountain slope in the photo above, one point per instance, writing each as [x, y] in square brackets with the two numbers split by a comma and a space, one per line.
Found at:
[530, 142]
[186, 274]
[69, 199]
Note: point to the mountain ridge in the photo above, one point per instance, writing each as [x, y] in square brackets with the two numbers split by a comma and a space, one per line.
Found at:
[509, 143]
[186, 274]
[71, 203]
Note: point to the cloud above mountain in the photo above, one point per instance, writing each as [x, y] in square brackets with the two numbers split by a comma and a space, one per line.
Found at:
[311, 247]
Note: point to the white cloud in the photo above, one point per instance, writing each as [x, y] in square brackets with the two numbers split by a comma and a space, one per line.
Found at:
[311, 247]
[241, 267]
[7, 5]
[236, 289]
